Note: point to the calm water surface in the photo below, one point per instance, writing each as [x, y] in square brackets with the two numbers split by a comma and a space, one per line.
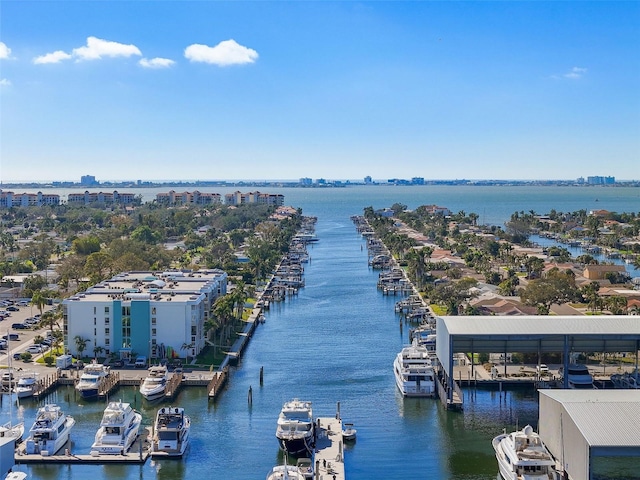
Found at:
[333, 342]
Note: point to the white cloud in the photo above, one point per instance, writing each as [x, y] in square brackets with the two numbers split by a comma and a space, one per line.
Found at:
[225, 53]
[5, 51]
[156, 63]
[575, 73]
[4, 82]
[97, 48]
[55, 57]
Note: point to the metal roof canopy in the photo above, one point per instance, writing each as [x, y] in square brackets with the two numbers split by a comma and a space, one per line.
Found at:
[602, 333]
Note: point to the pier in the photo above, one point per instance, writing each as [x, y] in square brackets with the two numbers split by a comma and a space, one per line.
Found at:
[329, 454]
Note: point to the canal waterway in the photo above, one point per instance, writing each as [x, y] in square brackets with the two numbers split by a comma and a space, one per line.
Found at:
[333, 342]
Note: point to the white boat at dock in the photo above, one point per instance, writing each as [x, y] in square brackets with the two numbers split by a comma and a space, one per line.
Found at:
[50, 432]
[523, 455]
[285, 472]
[154, 386]
[295, 427]
[89, 384]
[414, 372]
[170, 432]
[26, 385]
[349, 432]
[118, 429]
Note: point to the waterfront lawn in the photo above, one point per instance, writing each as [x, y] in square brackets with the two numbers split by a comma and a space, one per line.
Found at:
[438, 310]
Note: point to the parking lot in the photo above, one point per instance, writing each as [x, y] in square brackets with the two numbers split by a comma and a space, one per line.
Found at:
[21, 338]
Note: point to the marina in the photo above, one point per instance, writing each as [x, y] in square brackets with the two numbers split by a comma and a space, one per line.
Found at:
[338, 303]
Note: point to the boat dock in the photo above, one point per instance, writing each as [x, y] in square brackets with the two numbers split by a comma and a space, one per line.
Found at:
[329, 454]
[137, 454]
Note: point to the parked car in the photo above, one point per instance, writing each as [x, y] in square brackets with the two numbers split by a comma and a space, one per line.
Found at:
[141, 361]
[542, 369]
[17, 356]
[12, 308]
[35, 349]
[12, 337]
[3, 344]
[20, 326]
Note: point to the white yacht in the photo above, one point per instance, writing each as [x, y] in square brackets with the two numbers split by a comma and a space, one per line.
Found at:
[286, 472]
[154, 385]
[50, 432]
[578, 376]
[15, 431]
[628, 380]
[170, 432]
[118, 429]
[523, 455]
[414, 372]
[89, 384]
[26, 385]
[295, 428]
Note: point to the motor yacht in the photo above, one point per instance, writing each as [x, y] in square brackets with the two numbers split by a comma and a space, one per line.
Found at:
[295, 427]
[50, 432]
[414, 372]
[118, 429]
[170, 432]
[154, 386]
[523, 455]
[89, 384]
[578, 376]
[26, 385]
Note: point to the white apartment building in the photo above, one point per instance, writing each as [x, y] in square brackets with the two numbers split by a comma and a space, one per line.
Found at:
[156, 314]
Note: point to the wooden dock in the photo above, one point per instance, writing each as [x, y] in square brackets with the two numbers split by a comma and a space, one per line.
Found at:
[455, 403]
[137, 454]
[329, 453]
[217, 382]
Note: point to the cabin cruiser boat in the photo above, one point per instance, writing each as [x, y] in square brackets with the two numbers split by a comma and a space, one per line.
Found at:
[50, 432]
[118, 429]
[15, 431]
[349, 432]
[170, 432]
[286, 472]
[414, 372]
[90, 380]
[628, 380]
[295, 428]
[26, 385]
[578, 376]
[523, 455]
[154, 385]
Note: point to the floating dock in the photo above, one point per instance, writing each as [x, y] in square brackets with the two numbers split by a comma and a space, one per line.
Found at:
[137, 454]
[329, 454]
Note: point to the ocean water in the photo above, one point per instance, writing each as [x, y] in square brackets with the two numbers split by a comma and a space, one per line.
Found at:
[335, 342]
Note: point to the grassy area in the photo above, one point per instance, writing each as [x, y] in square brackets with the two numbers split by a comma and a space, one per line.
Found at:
[437, 309]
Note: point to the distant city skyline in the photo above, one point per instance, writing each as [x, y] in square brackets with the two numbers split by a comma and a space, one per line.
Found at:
[335, 90]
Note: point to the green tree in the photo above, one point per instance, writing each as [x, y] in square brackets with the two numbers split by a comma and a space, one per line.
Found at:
[81, 344]
[557, 287]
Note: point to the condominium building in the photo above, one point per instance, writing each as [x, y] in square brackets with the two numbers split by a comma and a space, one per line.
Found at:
[239, 198]
[156, 314]
[188, 198]
[10, 199]
[88, 198]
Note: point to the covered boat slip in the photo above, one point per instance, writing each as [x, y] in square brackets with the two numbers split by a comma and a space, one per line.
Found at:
[592, 433]
[535, 333]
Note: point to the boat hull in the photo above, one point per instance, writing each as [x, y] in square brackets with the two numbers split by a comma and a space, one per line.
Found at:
[296, 446]
[150, 396]
[88, 393]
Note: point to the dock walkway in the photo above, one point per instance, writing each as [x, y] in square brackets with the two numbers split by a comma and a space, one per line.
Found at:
[329, 454]
[137, 454]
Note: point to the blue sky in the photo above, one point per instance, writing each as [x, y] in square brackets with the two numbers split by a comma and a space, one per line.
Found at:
[282, 90]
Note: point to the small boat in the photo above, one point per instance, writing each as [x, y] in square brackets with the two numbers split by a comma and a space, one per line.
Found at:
[170, 432]
[89, 384]
[16, 476]
[15, 431]
[414, 372]
[118, 429]
[349, 433]
[26, 385]
[295, 427]
[627, 380]
[305, 467]
[285, 472]
[154, 385]
[50, 432]
[523, 455]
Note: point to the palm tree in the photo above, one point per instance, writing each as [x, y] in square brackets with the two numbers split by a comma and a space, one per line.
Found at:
[39, 299]
[81, 344]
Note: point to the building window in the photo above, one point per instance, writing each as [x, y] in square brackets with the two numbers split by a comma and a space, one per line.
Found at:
[153, 310]
[94, 310]
[107, 351]
[126, 332]
[153, 332]
[106, 342]
[153, 320]
[106, 309]
[106, 321]
[106, 331]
